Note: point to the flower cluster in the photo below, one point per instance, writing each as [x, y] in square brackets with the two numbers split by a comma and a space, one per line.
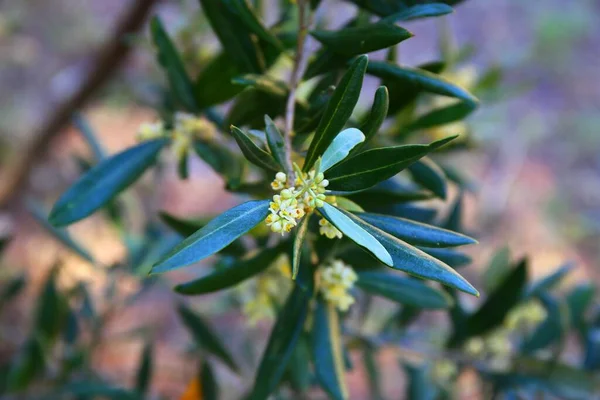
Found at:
[336, 281]
[294, 202]
[186, 128]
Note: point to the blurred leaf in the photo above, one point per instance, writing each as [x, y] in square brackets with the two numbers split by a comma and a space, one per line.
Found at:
[376, 165]
[539, 287]
[415, 262]
[441, 116]
[263, 83]
[11, 289]
[276, 143]
[182, 167]
[427, 174]
[88, 134]
[251, 21]
[253, 153]
[213, 85]
[94, 390]
[104, 181]
[340, 147]
[498, 304]
[205, 337]
[59, 234]
[209, 384]
[552, 329]
[497, 269]
[29, 364]
[373, 373]
[221, 160]
[169, 59]
[299, 370]
[452, 257]
[353, 41]
[227, 277]
[419, 386]
[327, 351]
[578, 301]
[379, 110]
[416, 233]
[184, 227]
[403, 290]
[455, 216]
[283, 339]
[420, 11]
[236, 40]
[51, 311]
[144, 372]
[215, 235]
[338, 111]
[389, 191]
[299, 237]
[356, 233]
[71, 327]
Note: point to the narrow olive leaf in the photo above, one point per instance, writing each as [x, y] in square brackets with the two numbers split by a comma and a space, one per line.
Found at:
[379, 110]
[88, 134]
[301, 232]
[51, 310]
[104, 182]
[427, 174]
[282, 342]
[387, 193]
[26, 366]
[340, 147]
[451, 257]
[208, 382]
[213, 85]
[12, 289]
[578, 300]
[205, 337]
[376, 165]
[230, 276]
[497, 269]
[59, 234]
[355, 232]
[552, 329]
[252, 152]
[169, 59]
[441, 116]
[263, 83]
[363, 39]
[252, 23]
[338, 111]
[416, 233]
[373, 372]
[299, 371]
[419, 383]
[548, 282]
[144, 372]
[498, 304]
[403, 290]
[455, 216]
[414, 261]
[325, 343]
[215, 235]
[235, 39]
[420, 11]
[421, 79]
[275, 142]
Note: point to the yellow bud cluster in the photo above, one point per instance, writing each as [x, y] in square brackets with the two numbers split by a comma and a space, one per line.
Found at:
[526, 316]
[443, 372]
[285, 210]
[327, 229]
[336, 280]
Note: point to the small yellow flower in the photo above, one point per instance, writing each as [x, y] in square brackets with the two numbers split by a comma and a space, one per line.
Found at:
[193, 126]
[337, 280]
[444, 371]
[150, 131]
[327, 229]
[279, 182]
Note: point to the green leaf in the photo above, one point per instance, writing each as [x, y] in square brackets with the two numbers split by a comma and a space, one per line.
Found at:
[451, 257]
[299, 237]
[51, 311]
[213, 85]
[499, 303]
[27, 366]
[326, 342]
[419, 384]
[215, 235]
[253, 153]
[552, 329]
[420, 11]
[427, 174]
[373, 372]
[497, 269]
[348, 205]
[376, 165]
[579, 300]
[144, 372]
[205, 337]
[235, 39]
[379, 110]
[229, 276]
[221, 160]
[548, 282]
[388, 193]
[263, 83]
[340, 147]
[251, 21]
[59, 234]
[355, 232]
[12, 289]
[338, 111]
[88, 134]
[169, 59]
[104, 182]
[363, 39]
[208, 382]
[275, 142]
[95, 390]
[403, 290]
[416, 233]
[299, 371]
[441, 116]
[414, 261]
[282, 341]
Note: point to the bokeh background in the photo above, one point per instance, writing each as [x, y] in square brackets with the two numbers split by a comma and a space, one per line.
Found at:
[536, 170]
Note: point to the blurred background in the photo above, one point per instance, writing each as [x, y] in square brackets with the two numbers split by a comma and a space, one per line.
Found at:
[536, 170]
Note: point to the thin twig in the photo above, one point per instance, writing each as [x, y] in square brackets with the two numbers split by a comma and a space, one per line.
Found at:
[300, 62]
